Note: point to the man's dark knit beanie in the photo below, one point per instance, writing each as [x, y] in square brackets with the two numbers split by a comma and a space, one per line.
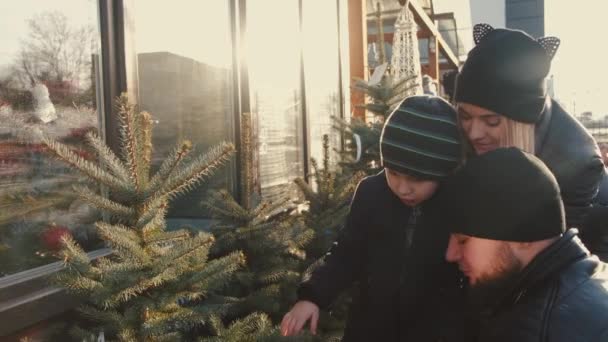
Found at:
[506, 195]
[506, 72]
[420, 138]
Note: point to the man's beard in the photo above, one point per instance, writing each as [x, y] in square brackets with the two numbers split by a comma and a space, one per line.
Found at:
[493, 285]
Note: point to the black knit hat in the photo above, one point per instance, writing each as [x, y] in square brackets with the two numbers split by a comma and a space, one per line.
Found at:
[421, 138]
[506, 195]
[506, 72]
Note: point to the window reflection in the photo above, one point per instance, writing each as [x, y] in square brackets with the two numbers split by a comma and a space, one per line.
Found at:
[273, 57]
[47, 84]
[321, 63]
[185, 82]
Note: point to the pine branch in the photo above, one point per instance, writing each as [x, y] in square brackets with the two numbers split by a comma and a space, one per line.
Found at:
[189, 176]
[245, 329]
[275, 276]
[326, 154]
[157, 224]
[65, 154]
[107, 157]
[202, 241]
[169, 165]
[217, 272]
[128, 135]
[110, 319]
[224, 207]
[115, 272]
[306, 189]
[145, 145]
[74, 257]
[76, 283]
[164, 323]
[350, 187]
[315, 171]
[152, 207]
[103, 203]
[164, 237]
[123, 240]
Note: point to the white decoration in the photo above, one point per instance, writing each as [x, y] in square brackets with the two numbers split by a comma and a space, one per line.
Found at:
[378, 74]
[428, 85]
[405, 62]
[44, 109]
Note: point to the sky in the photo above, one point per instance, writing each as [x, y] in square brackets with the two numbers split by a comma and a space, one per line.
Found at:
[579, 67]
[13, 20]
[580, 77]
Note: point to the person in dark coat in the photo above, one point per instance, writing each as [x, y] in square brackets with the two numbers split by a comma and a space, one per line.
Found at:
[391, 246]
[501, 97]
[530, 278]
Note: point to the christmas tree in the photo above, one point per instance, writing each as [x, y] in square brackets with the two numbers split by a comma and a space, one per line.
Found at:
[271, 236]
[328, 199]
[157, 285]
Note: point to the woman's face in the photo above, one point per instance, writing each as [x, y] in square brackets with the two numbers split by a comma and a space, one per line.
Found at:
[483, 128]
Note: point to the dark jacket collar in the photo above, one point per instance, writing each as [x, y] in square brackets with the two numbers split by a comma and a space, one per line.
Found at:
[545, 266]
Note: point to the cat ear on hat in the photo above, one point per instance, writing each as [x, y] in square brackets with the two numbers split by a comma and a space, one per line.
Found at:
[550, 44]
[480, 31]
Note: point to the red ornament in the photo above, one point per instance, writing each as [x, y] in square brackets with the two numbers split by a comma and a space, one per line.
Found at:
[51, 237]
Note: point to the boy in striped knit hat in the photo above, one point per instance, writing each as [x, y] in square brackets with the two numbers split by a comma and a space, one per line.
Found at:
[393, 243]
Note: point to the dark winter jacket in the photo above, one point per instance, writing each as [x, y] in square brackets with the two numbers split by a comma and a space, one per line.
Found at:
[571, 153]
[403, 294]
[561, 296]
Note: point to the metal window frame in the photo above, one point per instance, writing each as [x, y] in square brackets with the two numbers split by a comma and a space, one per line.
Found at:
[27, 298]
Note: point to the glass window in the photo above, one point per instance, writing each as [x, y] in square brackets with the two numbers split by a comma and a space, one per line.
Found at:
[48, 59]
[322, 72]
[184, 70]
[273, 56]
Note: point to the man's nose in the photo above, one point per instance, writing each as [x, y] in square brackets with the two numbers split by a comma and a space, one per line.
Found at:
[452, 254]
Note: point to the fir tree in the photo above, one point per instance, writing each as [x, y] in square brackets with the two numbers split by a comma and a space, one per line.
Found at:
[271, 237]
[157, 284]
[254, 328]
[328, 200]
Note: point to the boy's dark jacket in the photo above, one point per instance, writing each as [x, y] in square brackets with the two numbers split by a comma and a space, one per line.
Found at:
[402, 294]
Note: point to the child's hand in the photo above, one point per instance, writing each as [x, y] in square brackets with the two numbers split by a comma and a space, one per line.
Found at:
[294, 320]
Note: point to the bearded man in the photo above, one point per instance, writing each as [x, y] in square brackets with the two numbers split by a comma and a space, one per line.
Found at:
[529, 278]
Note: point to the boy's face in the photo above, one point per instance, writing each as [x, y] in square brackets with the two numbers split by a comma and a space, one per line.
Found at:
[483, 128]
[410, 190]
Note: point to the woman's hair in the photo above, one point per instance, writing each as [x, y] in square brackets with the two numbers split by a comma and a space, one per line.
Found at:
[518, 134]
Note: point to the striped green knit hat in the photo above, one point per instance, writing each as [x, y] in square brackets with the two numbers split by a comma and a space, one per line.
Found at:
[421, 138]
